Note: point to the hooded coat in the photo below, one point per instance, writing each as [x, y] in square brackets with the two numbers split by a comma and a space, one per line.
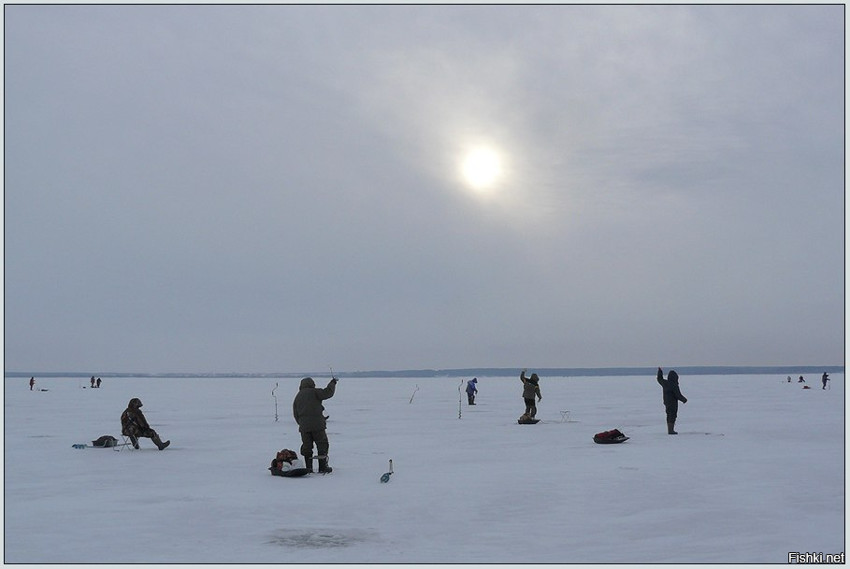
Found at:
[530, 386]
[133, 422]
[672, 394]
[307, 406]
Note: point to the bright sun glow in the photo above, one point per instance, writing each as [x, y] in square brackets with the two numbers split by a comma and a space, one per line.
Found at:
[481, 168]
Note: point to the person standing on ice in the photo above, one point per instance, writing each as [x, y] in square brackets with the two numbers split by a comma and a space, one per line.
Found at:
[471, 390]
[134, 425]
[672, 396]
[32, 383]
[307, 409]
[530, 389]
[824, 379]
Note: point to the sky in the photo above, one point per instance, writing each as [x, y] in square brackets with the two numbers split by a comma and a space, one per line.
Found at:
[285, 188]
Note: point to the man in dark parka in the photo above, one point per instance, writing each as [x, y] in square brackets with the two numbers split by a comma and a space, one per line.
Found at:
[307, 409]
[672, 396]
[134, 425]
[530, 389]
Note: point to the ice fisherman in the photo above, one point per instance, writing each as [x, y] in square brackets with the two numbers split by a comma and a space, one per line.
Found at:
[471, 390]
[672, 396]
[530, 389]
[801, 380]
[32, 383]
[97, 383]
[824, 379]
[308, 410]
[92, 381]
[134, 425]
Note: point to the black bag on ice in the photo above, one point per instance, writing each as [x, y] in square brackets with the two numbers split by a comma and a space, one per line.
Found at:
[105, 441]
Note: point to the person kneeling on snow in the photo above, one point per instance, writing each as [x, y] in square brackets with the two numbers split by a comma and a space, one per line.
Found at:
[672, 396]
[134, 425]
[307, 409]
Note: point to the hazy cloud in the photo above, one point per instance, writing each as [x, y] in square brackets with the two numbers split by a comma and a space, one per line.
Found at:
[261, 188]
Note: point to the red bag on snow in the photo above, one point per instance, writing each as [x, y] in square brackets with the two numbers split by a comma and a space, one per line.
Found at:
[609, 437]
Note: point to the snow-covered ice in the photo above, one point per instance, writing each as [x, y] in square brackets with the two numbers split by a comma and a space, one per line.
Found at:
[757, 472]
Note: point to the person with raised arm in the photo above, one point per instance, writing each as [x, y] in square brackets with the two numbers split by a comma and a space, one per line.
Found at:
[308, 411]
[672, 396]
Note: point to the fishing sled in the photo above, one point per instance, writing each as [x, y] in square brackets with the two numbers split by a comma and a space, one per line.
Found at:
[291, 473]
[611, 437]
[106, 441]
[287, 464]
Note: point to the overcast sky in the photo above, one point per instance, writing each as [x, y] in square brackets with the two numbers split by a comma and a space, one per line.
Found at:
[284, 188]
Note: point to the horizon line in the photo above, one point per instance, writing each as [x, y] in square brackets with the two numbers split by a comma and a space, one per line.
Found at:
[455, 372]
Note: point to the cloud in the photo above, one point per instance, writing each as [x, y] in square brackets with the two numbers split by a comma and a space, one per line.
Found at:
[281, 185]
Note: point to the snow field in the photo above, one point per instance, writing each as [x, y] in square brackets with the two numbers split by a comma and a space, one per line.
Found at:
[768, 478]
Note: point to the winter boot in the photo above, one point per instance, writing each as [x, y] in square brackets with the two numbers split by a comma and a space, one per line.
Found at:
[308, 463]
[135, 442]
[670, 430]
[323, 466]
[158, 442]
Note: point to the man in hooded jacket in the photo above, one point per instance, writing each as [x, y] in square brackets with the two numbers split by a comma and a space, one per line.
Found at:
[672, 396]
[134, 425]
[471, 390]
[308, 412]
[530, 389]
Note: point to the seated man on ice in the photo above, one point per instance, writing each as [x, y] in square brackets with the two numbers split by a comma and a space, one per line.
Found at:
[134, 425]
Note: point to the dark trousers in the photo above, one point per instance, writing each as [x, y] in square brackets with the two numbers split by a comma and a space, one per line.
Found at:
[530, 407]
[471, 397]
[147, 433]
[672, 410]
[308, 438]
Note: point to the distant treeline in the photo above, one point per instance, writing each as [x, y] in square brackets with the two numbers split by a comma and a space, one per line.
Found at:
[476, 372]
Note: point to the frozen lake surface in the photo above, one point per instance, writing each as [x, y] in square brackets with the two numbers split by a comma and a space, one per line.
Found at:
[757, 472]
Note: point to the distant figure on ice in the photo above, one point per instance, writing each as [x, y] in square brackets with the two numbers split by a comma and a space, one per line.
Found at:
[471, 390]
[530, 389]
[307, 409]
[824, 379]
[801, 380]
[672, 396]
[92, 381]
[789, 379]
[97, 382]
[134, 425]
[32, 383]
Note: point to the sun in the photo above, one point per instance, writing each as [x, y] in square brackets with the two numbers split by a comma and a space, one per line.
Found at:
[481, 168]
